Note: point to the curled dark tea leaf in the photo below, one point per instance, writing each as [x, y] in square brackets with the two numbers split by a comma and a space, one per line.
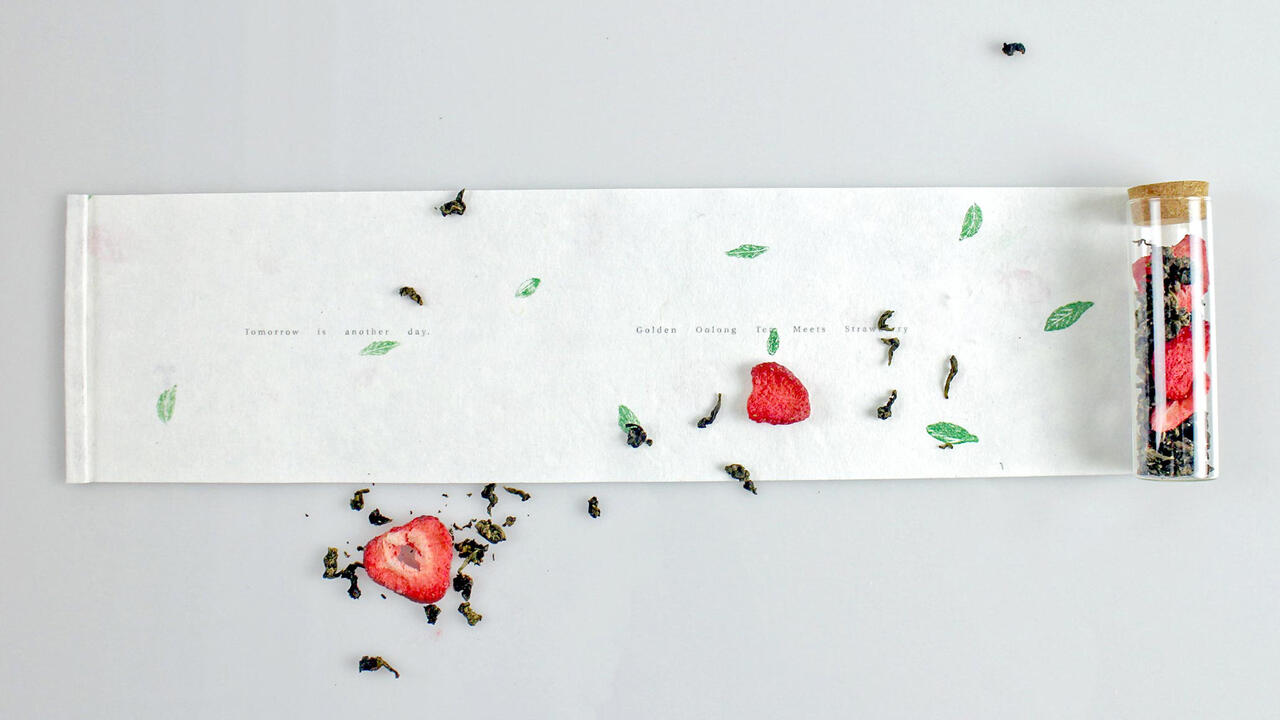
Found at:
[893, 344]
[711, 417]
[471, 550]
[951, 374]
[349, 574]
[331, 563]
[737, 472]
[883, 322]
[410, 293]
[489, 531]
[472, 616]
[470, 522]
[489, 493]
[377, 518]
[593, 507]
[517, 491]
[371, 663]
[885, 411]
[636, 436]
[454, 206]
[357, 500]
[511, 520]
[462, 585]
[749, 486]
[1011, 48]
[433, 613]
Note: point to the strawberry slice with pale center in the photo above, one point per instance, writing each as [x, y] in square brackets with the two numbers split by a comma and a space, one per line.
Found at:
[777, 395]
[413, 559]
[1179, 366]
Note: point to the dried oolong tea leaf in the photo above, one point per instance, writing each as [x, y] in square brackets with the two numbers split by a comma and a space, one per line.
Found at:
[772, 345]
[747, 251]
[462, 584]
[517, 491]
[738, 472]
[950, 434]
[883, 322]
[379, 347]
[528, 287]
[369, 664]
[472, 616]
[454, 206]
[711, 417]
[1011, 48]
[331, 563]
[885, 411]
[470, 522]
[487, 530]
[893, 344]
[490, 493]
[410, 293]
[951, 374]
[377, 518]
[349, 574]
[636, 436]
[471, 551]
[1066, 316]
[972, 222]
[433, 613]
[511, 520]
[593, 507]
[357, 499]
[164, 404]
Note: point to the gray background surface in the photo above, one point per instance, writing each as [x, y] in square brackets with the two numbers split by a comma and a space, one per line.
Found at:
[1047, 598]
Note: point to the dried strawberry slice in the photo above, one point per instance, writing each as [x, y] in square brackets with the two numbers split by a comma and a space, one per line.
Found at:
[413, 559]
[777, 395]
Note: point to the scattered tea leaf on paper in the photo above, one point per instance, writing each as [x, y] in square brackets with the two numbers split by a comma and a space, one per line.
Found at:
[379, 347]
[528, 287]
[747, 251]
[164, 404]
[950, 434]
[593, 507]
[951, 375]
[1066, 316]
[472, 616]
[711, 417]
[626, 417]
[369, 664]
[972, 222]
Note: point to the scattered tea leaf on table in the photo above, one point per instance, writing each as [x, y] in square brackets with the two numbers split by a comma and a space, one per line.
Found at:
[747, 251]
[1066, 316]
[379, 347]
[972, 222]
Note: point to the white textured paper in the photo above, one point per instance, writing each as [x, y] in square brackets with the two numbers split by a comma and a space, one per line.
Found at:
[169, 290]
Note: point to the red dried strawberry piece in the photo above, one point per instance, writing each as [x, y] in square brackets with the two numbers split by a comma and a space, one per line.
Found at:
[413, 559]
[777, 396]
[1142, 272]
[1171, 415]
[1179, 370]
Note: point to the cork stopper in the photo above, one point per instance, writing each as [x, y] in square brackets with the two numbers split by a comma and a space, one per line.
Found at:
[1173, 197]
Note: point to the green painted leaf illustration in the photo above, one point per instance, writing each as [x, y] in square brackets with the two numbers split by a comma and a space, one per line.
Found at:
[950, 434]
[528, 287]
[626, 417]
[772, 345]
[746, 251]
[972, 221]
[164, 405]
[1066, 316]
[379, 347]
